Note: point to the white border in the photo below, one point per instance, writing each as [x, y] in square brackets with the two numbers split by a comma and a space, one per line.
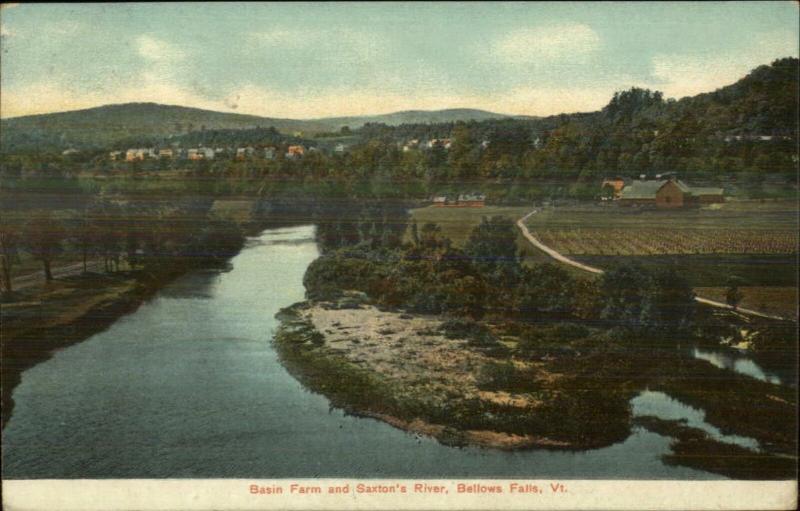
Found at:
[235, 494]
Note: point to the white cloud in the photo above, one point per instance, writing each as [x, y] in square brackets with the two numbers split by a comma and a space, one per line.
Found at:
[157, 50]
[546, 43]
[4, 31]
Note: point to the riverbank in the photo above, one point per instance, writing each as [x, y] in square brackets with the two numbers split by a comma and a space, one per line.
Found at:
[406, 371]
[419, 374]
[39, 321]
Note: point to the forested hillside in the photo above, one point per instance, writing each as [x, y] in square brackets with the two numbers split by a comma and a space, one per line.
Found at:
[739, 133]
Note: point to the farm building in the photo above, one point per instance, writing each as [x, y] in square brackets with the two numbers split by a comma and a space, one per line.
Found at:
[475, 200]
[668, 193]
[615, 185]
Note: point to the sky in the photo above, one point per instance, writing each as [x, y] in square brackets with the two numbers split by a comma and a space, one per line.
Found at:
[311, 60]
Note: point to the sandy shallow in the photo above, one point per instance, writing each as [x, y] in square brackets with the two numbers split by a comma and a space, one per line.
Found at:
[409, 351]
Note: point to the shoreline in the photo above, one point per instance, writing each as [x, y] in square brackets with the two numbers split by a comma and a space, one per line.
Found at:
[362, 391]
[347, 366]
[24, 347]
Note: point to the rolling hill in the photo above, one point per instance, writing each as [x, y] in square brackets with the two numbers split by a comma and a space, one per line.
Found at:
[417, 117]
[101, 127]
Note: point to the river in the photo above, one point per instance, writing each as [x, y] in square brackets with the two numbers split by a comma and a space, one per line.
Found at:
[189, 386]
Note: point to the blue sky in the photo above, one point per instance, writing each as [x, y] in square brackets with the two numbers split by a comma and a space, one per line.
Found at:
[306, 60]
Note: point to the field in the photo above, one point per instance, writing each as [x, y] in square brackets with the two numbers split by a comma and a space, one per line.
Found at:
[659, 241]
[755, 241]
[732, 228]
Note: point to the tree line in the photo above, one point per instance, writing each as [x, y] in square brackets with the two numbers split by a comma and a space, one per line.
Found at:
[424, 272]
[139, 234]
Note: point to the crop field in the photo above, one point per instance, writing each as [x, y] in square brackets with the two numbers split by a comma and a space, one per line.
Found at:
[659, 241]
[731, 228]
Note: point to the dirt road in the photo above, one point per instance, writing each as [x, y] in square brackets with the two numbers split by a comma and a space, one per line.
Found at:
[37, 278]
[591, 269]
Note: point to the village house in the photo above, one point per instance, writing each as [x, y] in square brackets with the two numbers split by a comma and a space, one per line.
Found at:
[139, 154]
[166, 154]
[411, 144]
[114, 155]
[201, 153]
[295, 151]
[244, 152]
[269, 153]
[474, 200]
[668, 193]
[339, 149]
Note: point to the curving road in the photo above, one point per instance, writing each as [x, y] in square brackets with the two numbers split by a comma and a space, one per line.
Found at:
[591, 269]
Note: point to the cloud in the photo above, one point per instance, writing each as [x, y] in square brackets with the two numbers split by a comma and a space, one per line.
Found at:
[4, 31]
[546, 43]
[157, 50]
[680, 75]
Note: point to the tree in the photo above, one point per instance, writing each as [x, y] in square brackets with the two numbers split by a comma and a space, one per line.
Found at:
[733, 295]
[43, 236]
[9, 252]
[84, 236]
[545, 289]
[670, 302]
[623, 289]
[493, 243]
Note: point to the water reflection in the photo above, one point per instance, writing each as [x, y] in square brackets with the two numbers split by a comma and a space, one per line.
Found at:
[737, 363]
[662, 406]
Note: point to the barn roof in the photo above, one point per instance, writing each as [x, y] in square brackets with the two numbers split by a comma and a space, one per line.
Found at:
[646, 189]
[642, 189]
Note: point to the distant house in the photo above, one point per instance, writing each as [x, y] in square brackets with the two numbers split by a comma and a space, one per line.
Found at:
[295, 151]
[244, 152]
[269, 153]
[339, 149]
[139, 154]
[115, 155]
[474, 200]
[616, 185]
[201, 153]
[410, 145]
[668, 193]
[166, 154]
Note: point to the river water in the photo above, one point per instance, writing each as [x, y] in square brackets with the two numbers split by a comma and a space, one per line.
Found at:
[189, 386]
